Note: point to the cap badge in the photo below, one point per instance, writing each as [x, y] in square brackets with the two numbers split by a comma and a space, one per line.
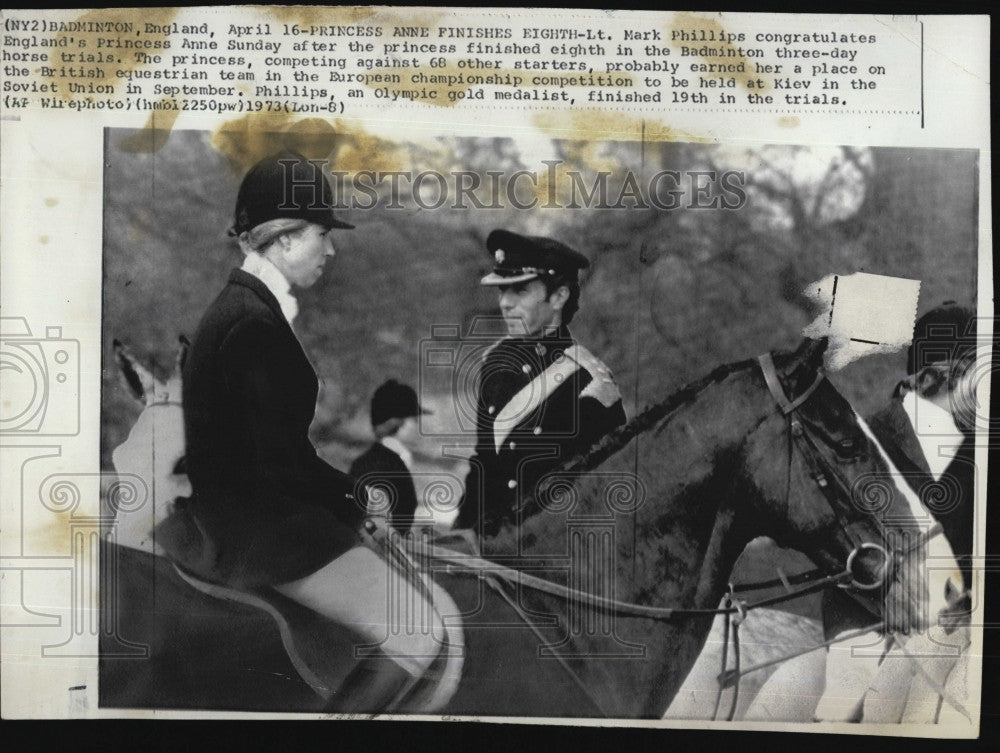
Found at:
[499, 256]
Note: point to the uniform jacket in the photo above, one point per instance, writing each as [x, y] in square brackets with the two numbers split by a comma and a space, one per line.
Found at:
[378, 464]
[265, 508]
[541, 402]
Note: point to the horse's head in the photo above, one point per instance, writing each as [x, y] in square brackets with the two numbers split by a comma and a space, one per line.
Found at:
[819, 482]
[727, 459]
[150, 462]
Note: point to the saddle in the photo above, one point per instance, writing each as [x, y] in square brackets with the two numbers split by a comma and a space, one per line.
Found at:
[326, 655]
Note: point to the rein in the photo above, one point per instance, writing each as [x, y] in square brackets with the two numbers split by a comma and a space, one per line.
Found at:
[456, 562]
[735, 609]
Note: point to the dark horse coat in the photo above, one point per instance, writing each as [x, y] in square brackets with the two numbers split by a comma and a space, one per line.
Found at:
[265, 508]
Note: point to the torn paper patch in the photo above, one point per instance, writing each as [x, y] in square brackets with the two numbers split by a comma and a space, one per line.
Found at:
[862, 314]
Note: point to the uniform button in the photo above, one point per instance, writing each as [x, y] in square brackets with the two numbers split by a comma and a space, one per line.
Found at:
[540, 349]
[513, 445]
[526, 369]
[492, 409]
[512, 484]
[537, 430]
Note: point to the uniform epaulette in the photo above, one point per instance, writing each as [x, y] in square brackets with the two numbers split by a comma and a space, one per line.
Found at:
[602, 385]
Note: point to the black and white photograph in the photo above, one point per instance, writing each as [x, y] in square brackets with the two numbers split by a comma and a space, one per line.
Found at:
[540, 369]
[537, 429]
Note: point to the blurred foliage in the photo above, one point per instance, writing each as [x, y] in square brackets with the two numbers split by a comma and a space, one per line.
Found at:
[670, 293]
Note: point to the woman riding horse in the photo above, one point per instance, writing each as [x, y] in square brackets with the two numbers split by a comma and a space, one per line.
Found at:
[634, 568]
[633, 563]
[266, 511]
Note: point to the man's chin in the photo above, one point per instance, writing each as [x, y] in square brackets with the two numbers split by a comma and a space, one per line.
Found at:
[516, 328]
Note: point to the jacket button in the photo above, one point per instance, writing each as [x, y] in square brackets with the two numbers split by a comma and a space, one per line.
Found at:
[526, 369]
[513, 445]
[537, 430]
[512, 484]
[491, 410]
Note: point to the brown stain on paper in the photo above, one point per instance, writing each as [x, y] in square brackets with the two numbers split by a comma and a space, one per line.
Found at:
[441, 89]
[788, 121]
[595, 125]
[384, 17]
[113, 58]
[388, 18]
[585, 134]
[55, 534]
[153, 136]
[246, 140]
[690, 22]
[309, 15]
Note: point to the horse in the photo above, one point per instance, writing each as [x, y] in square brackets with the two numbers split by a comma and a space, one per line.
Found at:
[598, 598]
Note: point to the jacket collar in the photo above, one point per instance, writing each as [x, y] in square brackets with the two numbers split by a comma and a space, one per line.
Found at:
[271, 276]
[551, 343]
[247, 280]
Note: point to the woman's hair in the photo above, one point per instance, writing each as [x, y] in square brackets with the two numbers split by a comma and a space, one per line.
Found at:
[938, 376]
[258, 238]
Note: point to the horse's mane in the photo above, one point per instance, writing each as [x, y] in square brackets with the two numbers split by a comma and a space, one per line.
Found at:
[652, 415]
[614, 441]
[648, 418]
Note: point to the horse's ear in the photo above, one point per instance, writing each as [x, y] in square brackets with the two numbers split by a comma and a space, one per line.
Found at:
[182, 352]
[127, 369]
[811, 351]
[137, 378]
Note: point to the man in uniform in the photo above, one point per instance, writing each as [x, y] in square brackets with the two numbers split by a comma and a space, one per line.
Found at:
[385, 467]
[543, 398]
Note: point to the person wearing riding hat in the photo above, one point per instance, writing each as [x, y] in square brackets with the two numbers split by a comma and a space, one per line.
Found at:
[928, 427]
[543, 398]
[385, 467]
[266, 512]
[927, 430]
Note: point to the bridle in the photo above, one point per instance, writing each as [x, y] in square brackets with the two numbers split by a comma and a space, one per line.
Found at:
[827, 478]
[824, 474]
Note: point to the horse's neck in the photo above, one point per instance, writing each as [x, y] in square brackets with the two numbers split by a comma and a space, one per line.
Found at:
[634, 666]
[676, 549]
[145, 464]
